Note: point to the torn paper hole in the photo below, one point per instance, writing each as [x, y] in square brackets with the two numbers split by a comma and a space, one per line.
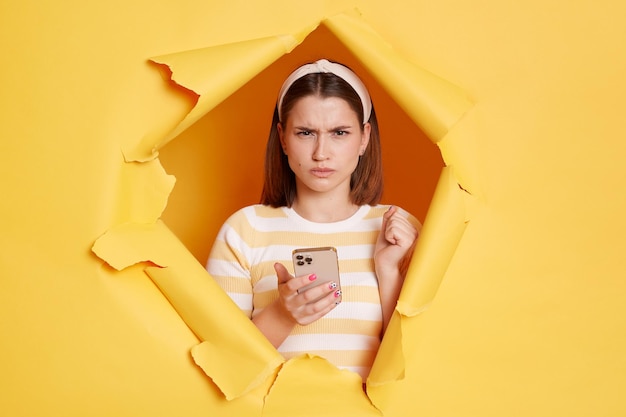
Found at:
[431, 102]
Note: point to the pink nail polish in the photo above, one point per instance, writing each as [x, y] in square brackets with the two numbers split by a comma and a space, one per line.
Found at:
[332, 286]
[337, 293]
[312, 277]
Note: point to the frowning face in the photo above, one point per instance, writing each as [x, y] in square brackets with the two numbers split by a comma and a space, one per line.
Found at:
[323, 139]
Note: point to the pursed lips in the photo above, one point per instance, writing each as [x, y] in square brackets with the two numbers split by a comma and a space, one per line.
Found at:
[322, 172]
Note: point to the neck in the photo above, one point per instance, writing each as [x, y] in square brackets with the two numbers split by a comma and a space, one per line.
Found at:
[324, 210]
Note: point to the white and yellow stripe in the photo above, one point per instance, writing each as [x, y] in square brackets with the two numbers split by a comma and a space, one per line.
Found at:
[256, 237]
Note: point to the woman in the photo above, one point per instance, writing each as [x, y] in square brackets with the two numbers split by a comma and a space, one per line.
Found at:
[323, 183]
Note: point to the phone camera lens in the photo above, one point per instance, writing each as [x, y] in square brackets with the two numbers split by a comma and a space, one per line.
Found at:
[299, 257]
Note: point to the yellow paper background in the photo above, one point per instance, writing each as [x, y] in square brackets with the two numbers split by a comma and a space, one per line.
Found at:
[528, 317]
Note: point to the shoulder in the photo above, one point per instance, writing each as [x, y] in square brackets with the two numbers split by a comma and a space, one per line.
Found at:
[254, 214]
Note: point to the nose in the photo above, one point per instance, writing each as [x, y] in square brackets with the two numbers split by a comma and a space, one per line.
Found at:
[320, 152]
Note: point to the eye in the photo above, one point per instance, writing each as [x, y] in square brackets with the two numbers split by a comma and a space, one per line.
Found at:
[342, 132]
[304, 133]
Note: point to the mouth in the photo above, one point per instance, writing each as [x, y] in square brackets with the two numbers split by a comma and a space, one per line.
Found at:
[322, 172]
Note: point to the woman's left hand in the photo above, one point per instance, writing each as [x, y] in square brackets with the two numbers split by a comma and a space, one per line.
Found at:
[395, 241]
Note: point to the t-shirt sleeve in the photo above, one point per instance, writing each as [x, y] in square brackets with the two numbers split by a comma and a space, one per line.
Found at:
[228, 262]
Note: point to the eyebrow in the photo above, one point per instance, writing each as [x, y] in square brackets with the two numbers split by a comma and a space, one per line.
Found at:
[342, 127]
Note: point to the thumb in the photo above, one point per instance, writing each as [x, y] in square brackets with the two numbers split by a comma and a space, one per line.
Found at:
[282, 273]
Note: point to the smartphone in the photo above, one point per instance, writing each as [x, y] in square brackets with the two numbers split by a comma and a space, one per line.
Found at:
[321, 261]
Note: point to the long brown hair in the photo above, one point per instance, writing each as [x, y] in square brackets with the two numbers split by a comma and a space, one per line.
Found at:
[366, 183]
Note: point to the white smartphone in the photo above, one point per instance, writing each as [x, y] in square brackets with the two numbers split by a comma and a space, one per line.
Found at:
[321, 261]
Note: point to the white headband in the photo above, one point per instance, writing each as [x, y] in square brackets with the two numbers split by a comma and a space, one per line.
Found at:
[325, 66]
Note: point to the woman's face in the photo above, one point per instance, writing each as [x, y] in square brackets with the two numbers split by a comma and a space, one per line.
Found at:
[323, 139]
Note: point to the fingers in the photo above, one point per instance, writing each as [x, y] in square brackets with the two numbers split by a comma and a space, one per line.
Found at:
[311, 295]
[290, 285]
[317, 307]
[305, 305]
[397, 228]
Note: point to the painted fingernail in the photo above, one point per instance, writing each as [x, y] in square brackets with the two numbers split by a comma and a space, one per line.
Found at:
[337, 293]
[332, 286]
[336, 303]
[312, 277]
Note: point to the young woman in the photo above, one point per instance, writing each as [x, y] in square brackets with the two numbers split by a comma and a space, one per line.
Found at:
[323, 184]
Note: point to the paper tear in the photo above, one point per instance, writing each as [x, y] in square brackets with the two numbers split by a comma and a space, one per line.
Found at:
[306, 381]
[148, 149]
[408, 310]
[434, 104]
[237, 361]
[233, 352]
[389, 364]
[237, 63]
[213, 74]
[459, 149]
[235, 372]
[143, 192]
[443, 228]
[132, 243]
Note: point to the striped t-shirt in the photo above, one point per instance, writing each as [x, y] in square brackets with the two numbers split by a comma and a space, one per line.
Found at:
[255, 237]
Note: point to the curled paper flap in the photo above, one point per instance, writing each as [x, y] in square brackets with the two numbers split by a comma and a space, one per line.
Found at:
[434, 104]
[443, 228]
[201, 304]
[389, 364]
[234, 354]
[213, 74]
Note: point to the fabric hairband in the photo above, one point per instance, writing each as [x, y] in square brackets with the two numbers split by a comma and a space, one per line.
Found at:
[325, 66]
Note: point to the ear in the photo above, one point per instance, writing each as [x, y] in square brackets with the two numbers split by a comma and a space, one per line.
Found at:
[365, 137]
[281, 136]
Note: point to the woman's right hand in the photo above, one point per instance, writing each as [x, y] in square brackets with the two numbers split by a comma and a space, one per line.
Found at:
[277, 320]
[304, 307]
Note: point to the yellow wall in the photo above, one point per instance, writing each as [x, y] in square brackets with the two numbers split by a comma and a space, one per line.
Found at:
[525, 317]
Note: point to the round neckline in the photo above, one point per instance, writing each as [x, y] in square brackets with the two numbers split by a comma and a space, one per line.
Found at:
[356, 216]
